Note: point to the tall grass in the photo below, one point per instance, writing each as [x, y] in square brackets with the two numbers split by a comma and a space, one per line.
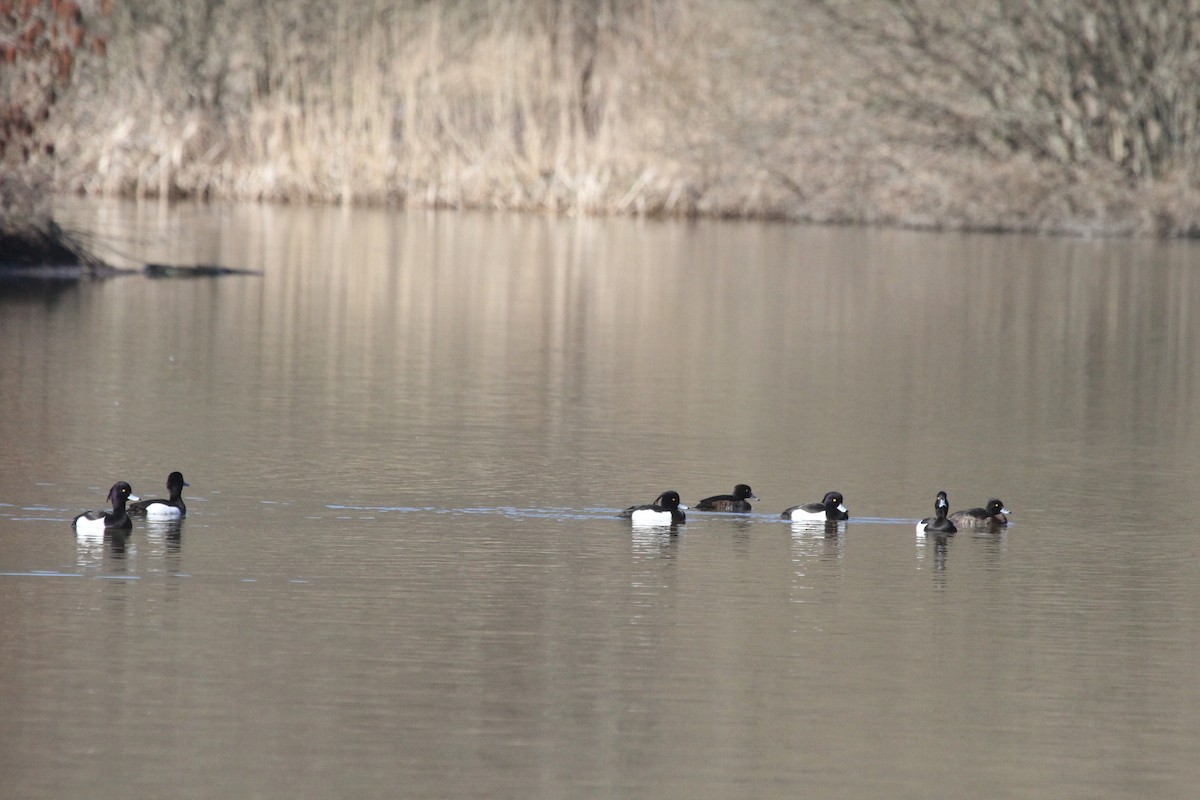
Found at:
[523, 104]
[915, 112]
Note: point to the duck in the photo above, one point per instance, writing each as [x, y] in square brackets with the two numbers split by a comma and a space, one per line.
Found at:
[990, 516]
[832, 508]
[101, 521]
[729, 502]
[938, 523]
[665, 510]
[157, 508]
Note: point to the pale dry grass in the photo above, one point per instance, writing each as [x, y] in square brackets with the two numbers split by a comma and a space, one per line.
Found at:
[750, 108]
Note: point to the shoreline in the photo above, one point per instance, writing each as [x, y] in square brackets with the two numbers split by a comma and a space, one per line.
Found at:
[43, 250]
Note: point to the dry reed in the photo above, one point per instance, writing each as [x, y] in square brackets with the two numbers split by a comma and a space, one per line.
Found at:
[867, 111]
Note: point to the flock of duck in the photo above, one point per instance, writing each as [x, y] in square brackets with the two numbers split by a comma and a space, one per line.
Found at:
[668, 509]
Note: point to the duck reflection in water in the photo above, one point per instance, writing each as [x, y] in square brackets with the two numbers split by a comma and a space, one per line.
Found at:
[107, 551]
[655, 542]
[168, 531]
[939, 545]
[831, 529]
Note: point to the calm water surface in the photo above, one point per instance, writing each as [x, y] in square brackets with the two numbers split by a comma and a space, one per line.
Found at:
[401, 574]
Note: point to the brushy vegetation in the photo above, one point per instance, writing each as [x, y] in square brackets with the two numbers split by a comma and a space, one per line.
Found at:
[29, 237]
[1055, 115]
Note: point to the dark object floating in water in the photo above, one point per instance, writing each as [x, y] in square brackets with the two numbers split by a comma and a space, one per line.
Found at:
[192, 271]
[75, 272]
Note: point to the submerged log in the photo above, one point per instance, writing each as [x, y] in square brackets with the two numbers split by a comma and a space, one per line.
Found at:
[192, 271]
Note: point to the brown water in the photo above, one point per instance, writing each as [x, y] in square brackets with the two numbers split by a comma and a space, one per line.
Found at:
[402, 575]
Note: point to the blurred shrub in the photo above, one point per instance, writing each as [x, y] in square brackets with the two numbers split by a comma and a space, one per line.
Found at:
[1073, 81]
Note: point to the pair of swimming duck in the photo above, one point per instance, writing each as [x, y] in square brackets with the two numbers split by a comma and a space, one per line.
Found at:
[942, 521]
[120, 495]
[667, 509]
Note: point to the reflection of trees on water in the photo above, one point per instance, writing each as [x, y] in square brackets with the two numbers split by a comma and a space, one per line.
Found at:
[25, 290]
